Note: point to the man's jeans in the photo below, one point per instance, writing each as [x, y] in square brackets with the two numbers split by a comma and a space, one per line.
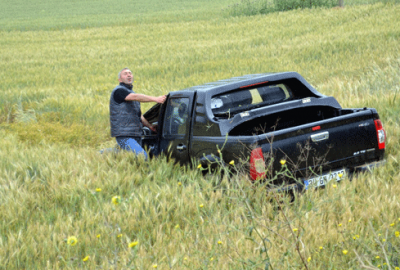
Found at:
[133, 144]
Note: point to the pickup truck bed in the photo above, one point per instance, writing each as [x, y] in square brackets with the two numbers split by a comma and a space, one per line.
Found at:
[279, 114]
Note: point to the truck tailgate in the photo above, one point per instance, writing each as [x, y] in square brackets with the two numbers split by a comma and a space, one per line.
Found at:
[343, 141]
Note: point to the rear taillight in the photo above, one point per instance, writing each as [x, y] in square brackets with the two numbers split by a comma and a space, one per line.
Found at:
[381, 134]
[257, 164]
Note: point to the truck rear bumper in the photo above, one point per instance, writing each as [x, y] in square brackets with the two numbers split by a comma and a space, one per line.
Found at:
[368, 167]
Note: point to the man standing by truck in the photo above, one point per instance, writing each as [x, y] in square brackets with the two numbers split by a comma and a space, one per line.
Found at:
[126, 118]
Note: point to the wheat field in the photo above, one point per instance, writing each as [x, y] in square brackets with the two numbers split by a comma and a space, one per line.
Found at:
[65, 206]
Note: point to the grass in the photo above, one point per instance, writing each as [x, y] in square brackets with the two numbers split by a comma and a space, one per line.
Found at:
[251, 8]
[25, 15]
[58, 68]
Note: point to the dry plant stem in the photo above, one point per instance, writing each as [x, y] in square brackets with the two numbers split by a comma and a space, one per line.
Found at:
[362, 263]
[381, 245]
[261, 237]
[284, 238]
[295, 236]
[257, 231]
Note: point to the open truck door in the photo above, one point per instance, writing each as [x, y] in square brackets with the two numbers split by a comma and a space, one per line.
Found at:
[175, 127]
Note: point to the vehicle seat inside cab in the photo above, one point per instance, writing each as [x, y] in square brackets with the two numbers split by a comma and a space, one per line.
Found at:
[183, 114]
[272, 94]
[241, 98]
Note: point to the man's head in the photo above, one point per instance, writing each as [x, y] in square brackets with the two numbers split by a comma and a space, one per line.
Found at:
[125, 76]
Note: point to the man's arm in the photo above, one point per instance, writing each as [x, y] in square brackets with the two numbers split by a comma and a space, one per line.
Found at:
[147, 124]
[144, 98]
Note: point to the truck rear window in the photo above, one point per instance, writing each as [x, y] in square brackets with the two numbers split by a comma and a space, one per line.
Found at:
[245, 99]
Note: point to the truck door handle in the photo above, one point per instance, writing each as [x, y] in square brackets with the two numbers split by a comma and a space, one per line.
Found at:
[320, 136]
[181, 147]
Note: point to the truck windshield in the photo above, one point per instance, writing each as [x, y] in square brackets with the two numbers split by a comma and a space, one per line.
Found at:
[240, 100]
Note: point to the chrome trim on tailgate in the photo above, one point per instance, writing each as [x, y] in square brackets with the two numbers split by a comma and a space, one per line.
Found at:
[320, 136]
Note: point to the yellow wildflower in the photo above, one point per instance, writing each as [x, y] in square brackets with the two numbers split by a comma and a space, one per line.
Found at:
[133, 244]
[377, 257]
[321, 248]
[357, 236]
[391, 224]
[340, 175]
[379, 265]
[308, 259]
[179, 184]
[232, 162]
[201, 205]
[383, 240]
[155, 265]
[199, 166]
[86, 259]
[397, 233]
[340, 225]
[334, 185]
[212, 258]
[177, 226]
[349, 220]
[98, 236]
[397, 268]
[295, 229]
[116, 200]
[220, 242]
[72, 240]
[345, 252]
[98, 189]
[283, 162]
[119, 235]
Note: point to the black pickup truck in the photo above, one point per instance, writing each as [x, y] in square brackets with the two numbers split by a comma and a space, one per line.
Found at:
[263, 120]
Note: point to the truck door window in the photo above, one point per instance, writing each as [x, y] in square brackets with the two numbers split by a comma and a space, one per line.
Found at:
[176, 116]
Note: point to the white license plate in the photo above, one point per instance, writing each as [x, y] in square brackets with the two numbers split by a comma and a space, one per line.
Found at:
[322, 180]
